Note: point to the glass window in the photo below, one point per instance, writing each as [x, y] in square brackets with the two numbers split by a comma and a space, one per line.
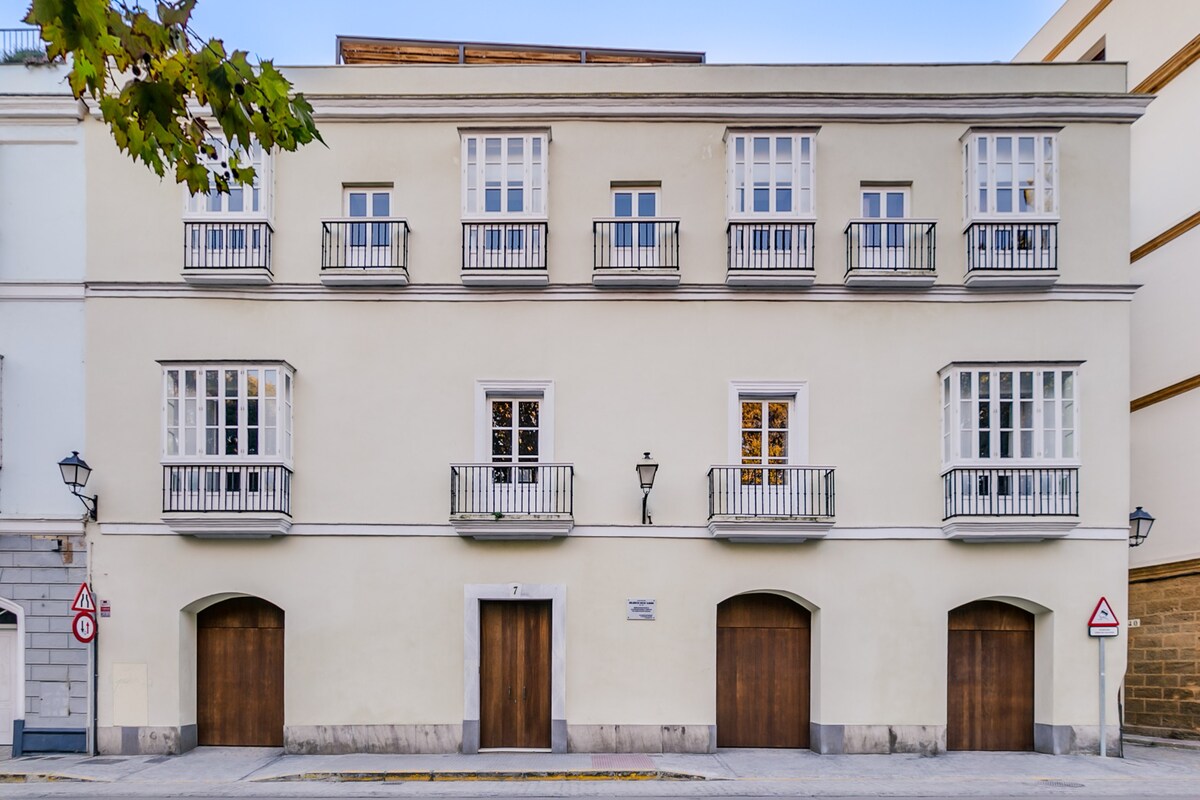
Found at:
[771, 174]
[226, 411]
[511, 173]
[1012, 174]
[241, 200]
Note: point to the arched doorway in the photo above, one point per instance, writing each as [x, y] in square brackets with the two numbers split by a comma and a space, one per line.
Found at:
[239, 673]
[763, 646]
[12, 669]
[990, 677]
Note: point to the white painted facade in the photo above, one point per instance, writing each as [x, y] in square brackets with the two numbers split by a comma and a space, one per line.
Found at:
[392, 384]
[43, 233]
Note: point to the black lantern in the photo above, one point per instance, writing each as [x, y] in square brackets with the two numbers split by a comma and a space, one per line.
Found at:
[1140, 523]
[75, 474]
[646, 469]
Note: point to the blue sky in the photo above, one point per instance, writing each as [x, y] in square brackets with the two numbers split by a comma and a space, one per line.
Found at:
[749, 31]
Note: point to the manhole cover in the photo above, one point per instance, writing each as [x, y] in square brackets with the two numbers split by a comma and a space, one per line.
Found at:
[1061, 784]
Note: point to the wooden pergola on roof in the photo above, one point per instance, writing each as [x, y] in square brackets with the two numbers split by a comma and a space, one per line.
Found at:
[368, 50]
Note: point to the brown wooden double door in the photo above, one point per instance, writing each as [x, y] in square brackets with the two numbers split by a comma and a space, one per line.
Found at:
[239, 673]
[763, 656]
[514, 673]
[990, 678]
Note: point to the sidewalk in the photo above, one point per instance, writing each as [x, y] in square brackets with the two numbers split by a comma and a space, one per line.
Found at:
[255, 772]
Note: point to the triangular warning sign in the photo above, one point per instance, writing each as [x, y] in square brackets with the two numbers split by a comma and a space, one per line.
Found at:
[83, 599]
[1103, 616]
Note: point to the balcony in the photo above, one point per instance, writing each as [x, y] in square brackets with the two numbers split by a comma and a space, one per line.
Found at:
[782, 503]
[512, 501]
[21, 46]
[895, 253]
[991, 504]
[770, 254]
[1012, 254]
[504, 254]
[635, 252]
[355, 252]
[247, 501]
[227, 253]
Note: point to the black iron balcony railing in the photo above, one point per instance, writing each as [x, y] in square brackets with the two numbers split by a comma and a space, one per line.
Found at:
[1012, 492]
[227, 245]
[512, 489]
[635, 243]
[364, 244]
[227, 487]
[18, 45]
[1013, 246]
[504, 245]
[891, 246]
[770, 245]
[770, 491]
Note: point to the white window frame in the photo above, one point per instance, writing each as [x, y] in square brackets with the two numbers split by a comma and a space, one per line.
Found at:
[487, 390]
[972, 169]
[195, 206]
[370, 231]
[803, 172]
[794, 391]
[952, 415]
[285, 398]
[531, 174]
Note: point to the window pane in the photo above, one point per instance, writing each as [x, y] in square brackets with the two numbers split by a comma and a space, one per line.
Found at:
[528, 414]
[501, 443]
[777, 414]
[751, 444]
[751, 415]
[527, 442]
[646, 204]
[871, 205]
[623, 204]
[381, 204]
[777, 444]
[502, 414]
[895, 205]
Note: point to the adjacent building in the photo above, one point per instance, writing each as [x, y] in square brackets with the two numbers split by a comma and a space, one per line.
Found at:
[368, 431]
[1161, 44]
[45, 678]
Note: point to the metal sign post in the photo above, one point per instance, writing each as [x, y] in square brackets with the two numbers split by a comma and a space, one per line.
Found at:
[1103, 624]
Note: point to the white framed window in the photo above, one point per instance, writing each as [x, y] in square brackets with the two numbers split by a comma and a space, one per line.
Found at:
[770, 174]
[227, 411]
[367, 202]
[1011, 174]
[504, 174]
[1009, 414]
[252, 202]
[514, 421]
[883, 203]
[768, 422]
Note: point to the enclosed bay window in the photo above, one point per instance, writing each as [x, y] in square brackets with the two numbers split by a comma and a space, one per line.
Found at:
[242, 201]
[227, 436]
[227, 237]
[1010, 438]
[770, 174]
[504, 204]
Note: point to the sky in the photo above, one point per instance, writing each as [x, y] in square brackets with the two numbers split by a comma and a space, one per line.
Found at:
[730, 31]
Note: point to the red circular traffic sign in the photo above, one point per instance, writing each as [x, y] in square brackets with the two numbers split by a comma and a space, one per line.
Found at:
[84, 627]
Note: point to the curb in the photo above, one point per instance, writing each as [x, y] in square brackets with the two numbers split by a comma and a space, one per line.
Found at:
[432, 776]
[1153, 741]
[41, 777]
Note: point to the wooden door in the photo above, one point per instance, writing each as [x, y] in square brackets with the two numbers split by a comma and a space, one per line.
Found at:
[763, 643]
[990, 678]
[514, 673]
[239, 673]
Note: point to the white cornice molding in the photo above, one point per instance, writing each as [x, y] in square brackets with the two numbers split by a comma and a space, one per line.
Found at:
[45, 526]
[53, 108]
[366, 530]
[28, 291]
[975, 109]
[448, 293]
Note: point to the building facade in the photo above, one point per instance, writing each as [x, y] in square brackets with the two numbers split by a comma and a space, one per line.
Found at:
[367, 440]
[1161, 47]
[45, 678]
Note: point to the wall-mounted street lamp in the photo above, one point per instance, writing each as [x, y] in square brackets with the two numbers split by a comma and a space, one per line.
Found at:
[75, 473]
[1140, 523]
[645, 470]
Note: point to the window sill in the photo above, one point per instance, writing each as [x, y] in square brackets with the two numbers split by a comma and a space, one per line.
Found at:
[766, 278]
[364, 276]
[524, 527]
[1010, 529]
[228, 277]
[609, 278]
[229, 524]
[891, 278]
[505, 277]
[780, 530]
[1008, 278]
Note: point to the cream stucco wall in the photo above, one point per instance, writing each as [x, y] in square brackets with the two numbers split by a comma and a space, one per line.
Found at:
[371, 575]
